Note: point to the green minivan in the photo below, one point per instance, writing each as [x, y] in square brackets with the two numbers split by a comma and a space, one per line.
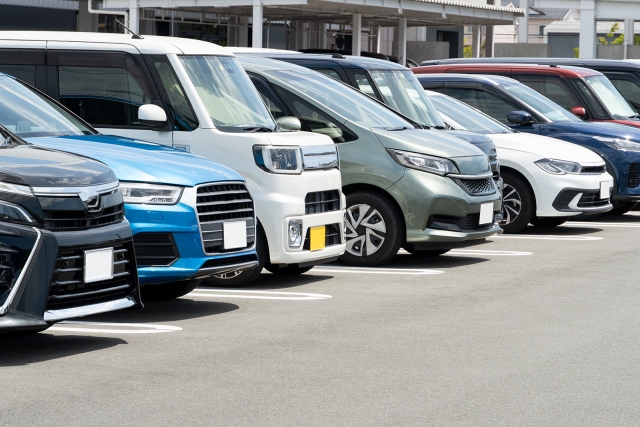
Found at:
[424, 191]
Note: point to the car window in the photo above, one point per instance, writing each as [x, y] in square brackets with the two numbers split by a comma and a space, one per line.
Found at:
[331, 73]
[26, 73]
[274, 105]
[552, 88]
[485, 102]
[629, 89]
[594, 104]
[364, 84]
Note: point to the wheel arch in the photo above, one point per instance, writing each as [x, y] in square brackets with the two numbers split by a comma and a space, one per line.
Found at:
[510, 170]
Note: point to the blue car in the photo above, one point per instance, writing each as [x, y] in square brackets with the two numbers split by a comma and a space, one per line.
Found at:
[526, 110]
[191, 218]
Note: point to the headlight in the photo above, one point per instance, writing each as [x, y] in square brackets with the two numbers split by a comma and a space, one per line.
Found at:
[619, 144]
[15, 188]
[278, 159]
[152, 194]
[558, 167]
[423, 162]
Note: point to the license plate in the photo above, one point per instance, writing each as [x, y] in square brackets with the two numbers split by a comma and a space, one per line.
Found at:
[486, 213]
[604, 190]
[317, 238]
[98, 265]
[234, 234]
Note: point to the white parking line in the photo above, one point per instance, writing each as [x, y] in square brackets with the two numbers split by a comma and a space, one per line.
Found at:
[545, 237]
[372, 270]
[137, 328]
[487, 253]
[248, 294]
[601, 224]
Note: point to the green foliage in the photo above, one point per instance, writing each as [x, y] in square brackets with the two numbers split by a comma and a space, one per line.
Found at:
[467, 51]
[612, 32]
[576, 52]
[636, 40]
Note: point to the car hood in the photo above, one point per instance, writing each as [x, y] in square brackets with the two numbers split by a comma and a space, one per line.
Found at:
[481, 141]
[38, 167]
[635, 123]
[469, 159]
[613, 130]
[544, 147]
[140, 161]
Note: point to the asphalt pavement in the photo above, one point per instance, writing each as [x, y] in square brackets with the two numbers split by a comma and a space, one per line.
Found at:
[539, 329]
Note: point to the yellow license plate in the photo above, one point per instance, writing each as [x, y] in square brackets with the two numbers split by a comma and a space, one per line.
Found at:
[317, 238]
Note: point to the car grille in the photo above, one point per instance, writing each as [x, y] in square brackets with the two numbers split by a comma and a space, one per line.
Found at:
[223, 262]
[322, 201]
[477, 187]
[634, 179]
[469, 222]
[592, 200]
[68, 290]
[331, 236]
[81, 220]
[596, 170]
[220, 203]
[589, 199]
[155, 249]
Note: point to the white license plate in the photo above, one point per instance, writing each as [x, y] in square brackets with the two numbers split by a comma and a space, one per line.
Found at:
[604, 190]
[234, 234]
[486, 213]
[98, 265]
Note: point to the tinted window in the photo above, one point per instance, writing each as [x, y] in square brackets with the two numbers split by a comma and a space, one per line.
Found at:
[26, 73]
[364, 84]
[552, 88]
[271, 100]
[629, 89]
[485, 102]
[331, 73]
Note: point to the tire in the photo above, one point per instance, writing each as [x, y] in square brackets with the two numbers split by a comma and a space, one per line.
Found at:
[621, 208]
[375, 229]
[518, 202]
[236, 279]
[290, 270]
[168, 291]
[549, 221]
[425, 253]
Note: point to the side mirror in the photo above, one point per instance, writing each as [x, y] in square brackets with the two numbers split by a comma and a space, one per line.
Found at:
[520, 118]
[152, 115]
[289, 123]
[579, 111]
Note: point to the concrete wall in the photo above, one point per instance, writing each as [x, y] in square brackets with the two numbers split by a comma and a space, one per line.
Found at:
[515, 50]
[617, 51]
[562, 45]
[423, 51]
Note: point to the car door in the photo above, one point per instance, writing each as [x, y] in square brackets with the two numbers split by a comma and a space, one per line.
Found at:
[105, 84]
[628, 85]
[555, 88]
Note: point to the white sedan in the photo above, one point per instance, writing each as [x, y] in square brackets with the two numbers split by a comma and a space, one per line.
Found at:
[546, 180]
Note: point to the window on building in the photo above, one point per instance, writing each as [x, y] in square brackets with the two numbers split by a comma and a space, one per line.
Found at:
[541, 30]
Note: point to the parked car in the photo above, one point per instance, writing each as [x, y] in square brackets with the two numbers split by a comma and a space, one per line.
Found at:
[425, 191]
[389, 83]
[65, 246]
[176, 202]
[586, 93]
[525, 110]
[624, 74]
[546, 180]
[194, 95]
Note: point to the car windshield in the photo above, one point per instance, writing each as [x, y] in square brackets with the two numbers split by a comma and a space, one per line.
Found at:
[540, 103]
[27, 113]
[610, 97]
[344, 100]
[459, 115]
[230, 98]
[402, 91]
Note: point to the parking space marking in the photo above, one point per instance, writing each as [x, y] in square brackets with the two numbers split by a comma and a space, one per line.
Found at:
[546, 237]
[249, 294]
[372, 270]
[137, 328]
[601, 224]
[478, 252]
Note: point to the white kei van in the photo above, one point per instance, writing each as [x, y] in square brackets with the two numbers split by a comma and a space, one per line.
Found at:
[194, 95]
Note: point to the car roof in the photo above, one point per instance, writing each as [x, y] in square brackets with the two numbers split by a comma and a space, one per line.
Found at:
[475, 78]
[259, 63]
[609, 63]
[564, 70]
[148, 44]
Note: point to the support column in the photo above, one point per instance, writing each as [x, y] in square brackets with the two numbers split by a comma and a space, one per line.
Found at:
[305, 35]
[134, 21]
[588, 31]
[323, 35]
[628, 35]
[488, 37]
[475, 42]
[523, 23]
[257, 24]
[243, 32]
[356, 43]
[375, 45]
[402, 41]
[87, 22]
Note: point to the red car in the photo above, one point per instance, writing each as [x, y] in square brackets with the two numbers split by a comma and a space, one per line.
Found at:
[586, 93]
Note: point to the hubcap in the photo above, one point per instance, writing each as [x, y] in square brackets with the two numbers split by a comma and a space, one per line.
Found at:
[365, 231]
[228, 275]
[512, 203]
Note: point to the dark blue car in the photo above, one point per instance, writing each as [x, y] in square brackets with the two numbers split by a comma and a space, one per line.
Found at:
[526, 110]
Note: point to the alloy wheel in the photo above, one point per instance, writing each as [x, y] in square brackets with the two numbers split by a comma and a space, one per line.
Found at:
[365, 230]
[512, 203]
[228, 275]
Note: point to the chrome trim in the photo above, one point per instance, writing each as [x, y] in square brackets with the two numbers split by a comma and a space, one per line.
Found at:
[87, 310]
[226, 268]
[573, 205]
[14, 290]
[18, 208]
[484, 175]
[85, 193]
[320, 157]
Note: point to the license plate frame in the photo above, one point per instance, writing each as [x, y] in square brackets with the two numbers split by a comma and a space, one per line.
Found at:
[605, 191]
[317, 238]
[234, 234]
[486, 214]
[98, 265]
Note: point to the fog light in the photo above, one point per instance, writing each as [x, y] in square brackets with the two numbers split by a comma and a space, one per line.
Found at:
[295, 234]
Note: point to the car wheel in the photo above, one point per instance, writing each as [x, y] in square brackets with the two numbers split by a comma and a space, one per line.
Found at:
[233, 279]
[518, 203]
[552, 221]
[425, 253]
[621, 208]
[374, 230]
[289, 270]
[167, 291]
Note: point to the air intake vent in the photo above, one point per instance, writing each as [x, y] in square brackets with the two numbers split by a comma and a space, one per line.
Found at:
[155, 249]
[322, 201]
[477, 187]
[634, 180]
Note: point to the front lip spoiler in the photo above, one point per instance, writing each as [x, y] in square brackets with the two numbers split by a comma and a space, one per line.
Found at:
[87, 310]
[209, 271]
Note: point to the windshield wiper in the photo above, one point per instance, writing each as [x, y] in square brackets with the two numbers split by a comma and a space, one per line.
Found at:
[637, 116]
[397, 128]
[439, 127]
[252, 129]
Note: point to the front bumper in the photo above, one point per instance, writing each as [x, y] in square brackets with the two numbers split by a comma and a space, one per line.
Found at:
[280, 199]
[425, 197]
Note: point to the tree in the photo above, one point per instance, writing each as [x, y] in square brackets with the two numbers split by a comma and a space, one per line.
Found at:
[612, 32]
